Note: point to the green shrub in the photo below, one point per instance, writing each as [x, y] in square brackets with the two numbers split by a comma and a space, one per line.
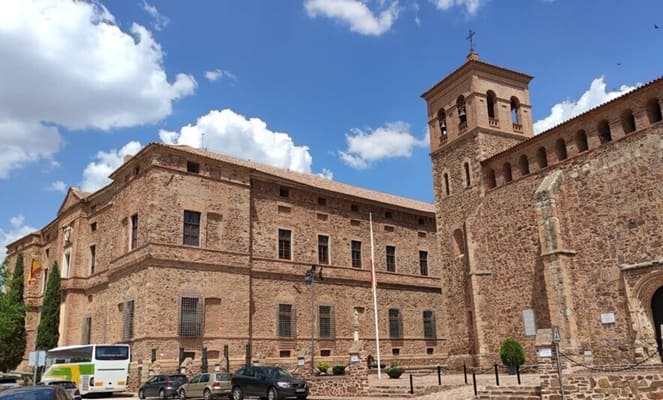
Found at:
[323, 366]
[338, 370]
[512, 353]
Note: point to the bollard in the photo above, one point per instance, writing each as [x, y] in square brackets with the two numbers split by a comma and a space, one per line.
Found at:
[465, 373]
[518, 373]
[497, 376]
[411, 385]
[474, 381]
[439, 375]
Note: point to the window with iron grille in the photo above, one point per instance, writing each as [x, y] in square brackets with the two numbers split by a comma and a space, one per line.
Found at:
[323, 249]
[285, 243]
[191, 228]
[326, 321]
[429, 324]
[391, 258]
[134, 231]
[191, 317]
[286, 321]
[395, 323]
[356, 254]
[423, 262]
[128, 320]
[87, 328]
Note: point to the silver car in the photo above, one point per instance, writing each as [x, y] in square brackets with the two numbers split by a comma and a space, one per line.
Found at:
[69, 386]
[208, 386]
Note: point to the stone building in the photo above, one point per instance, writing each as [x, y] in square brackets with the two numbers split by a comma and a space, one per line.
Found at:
[191, 249]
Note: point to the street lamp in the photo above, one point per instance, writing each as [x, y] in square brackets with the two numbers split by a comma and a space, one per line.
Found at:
[309, 279]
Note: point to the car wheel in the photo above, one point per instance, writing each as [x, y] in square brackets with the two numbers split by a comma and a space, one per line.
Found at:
[238, 394]
[141, 394]
[162, 394]
[182, 394]
[272, 394]
[207, 395]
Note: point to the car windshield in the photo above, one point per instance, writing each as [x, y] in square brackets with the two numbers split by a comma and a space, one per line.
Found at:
[65, 384]
[27, 394]
[278, 373]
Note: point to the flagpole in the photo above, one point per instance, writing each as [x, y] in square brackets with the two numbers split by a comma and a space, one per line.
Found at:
[375, 298]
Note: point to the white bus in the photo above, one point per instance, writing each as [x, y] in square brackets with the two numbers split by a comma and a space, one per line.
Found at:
[95, 368]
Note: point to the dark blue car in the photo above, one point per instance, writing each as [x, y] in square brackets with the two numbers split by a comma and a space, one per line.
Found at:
[271, 382]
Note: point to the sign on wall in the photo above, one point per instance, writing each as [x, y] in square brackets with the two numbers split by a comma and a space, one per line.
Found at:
[529, 322]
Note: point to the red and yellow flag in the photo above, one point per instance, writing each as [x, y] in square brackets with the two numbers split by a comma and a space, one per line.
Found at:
[35, 267]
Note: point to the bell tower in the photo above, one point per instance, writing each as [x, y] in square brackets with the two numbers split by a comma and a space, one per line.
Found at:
[477, 111]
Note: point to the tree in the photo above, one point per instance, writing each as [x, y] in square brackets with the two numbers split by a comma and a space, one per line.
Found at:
[12, 320]
[48, 331]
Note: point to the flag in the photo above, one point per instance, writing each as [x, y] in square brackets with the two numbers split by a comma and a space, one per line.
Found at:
[35, 267]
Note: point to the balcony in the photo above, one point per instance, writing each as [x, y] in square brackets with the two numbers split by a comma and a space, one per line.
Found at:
[517, 127]
[494, 122]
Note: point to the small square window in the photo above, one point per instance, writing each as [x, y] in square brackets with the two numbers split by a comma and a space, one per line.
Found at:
[284, 191]
[192, 167]
[387, 214]
[421, 221]
[395, 352]
[430, 351]
[325, 353]
[322, 201]
[354, 208]
[93, 227]
[284, 353]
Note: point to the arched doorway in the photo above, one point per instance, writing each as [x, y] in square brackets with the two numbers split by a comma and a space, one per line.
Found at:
[657, 313]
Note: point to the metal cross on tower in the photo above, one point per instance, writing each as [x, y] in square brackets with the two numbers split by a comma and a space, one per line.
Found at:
[470, 37]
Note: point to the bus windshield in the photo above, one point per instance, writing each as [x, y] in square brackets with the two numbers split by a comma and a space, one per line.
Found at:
[111, 353]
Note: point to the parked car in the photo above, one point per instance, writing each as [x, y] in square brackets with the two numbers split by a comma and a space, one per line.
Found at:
[8, 381]
[208, 386]
[69, 386]
[271, 382]
[162, 386]
[35, 393]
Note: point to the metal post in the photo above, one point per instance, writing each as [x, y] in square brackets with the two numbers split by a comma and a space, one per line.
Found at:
[497, 376]
[34, 375]
[518, 373]
[411, 385]
[556, 339]
[312, 321]
[225, 355]
[439, 375]
[474, 381]
[465, 373]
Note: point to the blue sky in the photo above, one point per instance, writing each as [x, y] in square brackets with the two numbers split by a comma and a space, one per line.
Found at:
[329, 87]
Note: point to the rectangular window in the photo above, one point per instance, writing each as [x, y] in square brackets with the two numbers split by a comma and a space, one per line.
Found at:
[66, 263]
[387, 214]
[323, 249]
[93, 256]
[322, 201]
[395, 324]
[128, 320]
[191, 317]
[429, 324]
[391, 258]
[356, 254]
[423, 262]
[93, 227]
[326, 321]
[286, 321]
[191, 228]
[192, 167]
[134, 232]
[354, 208]
[284, 191]
[285, 243]
[87, 328]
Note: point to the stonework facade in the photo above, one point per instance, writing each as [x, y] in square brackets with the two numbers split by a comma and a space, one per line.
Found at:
[188, 249]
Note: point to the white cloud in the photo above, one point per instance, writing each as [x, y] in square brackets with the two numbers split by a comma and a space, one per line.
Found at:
[356, 14]
[391, 140]
[471, 6]
[65, 64]
[216, 74]
[57, 186]
[248, 138]
[326, 173]
[159, 21]
[17, 230]
[95, 175]
[567, 109]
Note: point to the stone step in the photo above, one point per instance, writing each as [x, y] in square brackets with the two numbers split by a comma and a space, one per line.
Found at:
[522, 392]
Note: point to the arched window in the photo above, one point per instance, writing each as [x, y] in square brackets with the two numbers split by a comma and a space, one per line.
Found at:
[491, 182]
[628, 121]
[466, 167]
[541, 157]
[654, 111]
[458, 243]
[447, 189]
[506, 172]
[515, 110]
[581, 141]
[491, 100]
[523, 164]
[462, 112]
[442, 121]
[604, 132]
[560, 149]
